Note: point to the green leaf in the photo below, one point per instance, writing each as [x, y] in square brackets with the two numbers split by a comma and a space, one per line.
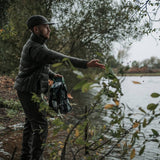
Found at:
[142, 110]
[65, 59]
[68, 62]
[144, 123]
[152, 106]
[56, 65]
[157, 115]
[79, 74]
[155, 95]
[150, 120]
[155, 132]
[86, 86]
[79, 85]
[155, 140]
[142, 150]
[99, 54]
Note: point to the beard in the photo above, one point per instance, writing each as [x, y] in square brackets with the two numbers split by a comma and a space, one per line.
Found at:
[41, 34]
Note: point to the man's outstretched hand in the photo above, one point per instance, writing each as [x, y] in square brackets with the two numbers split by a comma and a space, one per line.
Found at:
[95, 63]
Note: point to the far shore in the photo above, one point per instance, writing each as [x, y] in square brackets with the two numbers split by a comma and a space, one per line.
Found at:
[140, 74]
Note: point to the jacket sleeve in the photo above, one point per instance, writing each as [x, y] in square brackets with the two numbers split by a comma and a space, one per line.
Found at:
[51, 74]
[42, 55]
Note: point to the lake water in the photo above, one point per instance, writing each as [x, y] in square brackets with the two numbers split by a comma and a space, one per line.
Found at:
[138, 95]
[135, 96]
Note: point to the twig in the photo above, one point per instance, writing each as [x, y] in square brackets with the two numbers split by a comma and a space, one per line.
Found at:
[141, 8]
[14, 151]
[128, 131]
[86, 132]
[80, 120]
[66, 141]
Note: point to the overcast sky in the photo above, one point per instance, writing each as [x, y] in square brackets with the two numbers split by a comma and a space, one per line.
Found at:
[149, 46]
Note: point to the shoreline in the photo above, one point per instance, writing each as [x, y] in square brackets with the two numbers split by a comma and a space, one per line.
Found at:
[139, 74]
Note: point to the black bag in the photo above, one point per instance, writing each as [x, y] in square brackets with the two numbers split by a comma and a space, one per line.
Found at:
[58, 99]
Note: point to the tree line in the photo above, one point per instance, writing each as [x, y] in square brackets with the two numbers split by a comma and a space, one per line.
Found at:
[86, 29]
[153, 62]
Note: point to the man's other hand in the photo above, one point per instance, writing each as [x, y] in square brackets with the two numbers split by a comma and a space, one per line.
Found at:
[58, 75]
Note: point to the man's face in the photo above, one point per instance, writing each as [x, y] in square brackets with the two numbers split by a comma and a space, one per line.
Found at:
[42, 30]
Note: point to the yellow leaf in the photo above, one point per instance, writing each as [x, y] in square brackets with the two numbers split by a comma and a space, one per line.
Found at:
[119, 145]
[132, 154]
[59, 153]
[76, 133]
[61, 146]
[68, 130]
[1, 30]
[70, 125]
[100, 140]
[129, 146]
[136, 82]
[91, 132]
[108, 106]
[135, 125]
[116, 102]
[124, 144]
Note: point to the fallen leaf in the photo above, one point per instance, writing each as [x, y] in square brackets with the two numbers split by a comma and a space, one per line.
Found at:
[129, 146]
[136, 82]
[1, 30]
[133, 153]
[61, 146]
[68, 130]
[97, 153]
[91, 132]
[135, 125]
[76, 133]
[60, 142]
[70, 125]
[116, 102]
[119, 145]
[107, 106]
[59, 153]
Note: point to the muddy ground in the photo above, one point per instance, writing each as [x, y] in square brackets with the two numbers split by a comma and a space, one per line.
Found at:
[11, 123]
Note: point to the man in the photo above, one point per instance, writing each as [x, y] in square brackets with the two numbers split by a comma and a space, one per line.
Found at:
[33, 77]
